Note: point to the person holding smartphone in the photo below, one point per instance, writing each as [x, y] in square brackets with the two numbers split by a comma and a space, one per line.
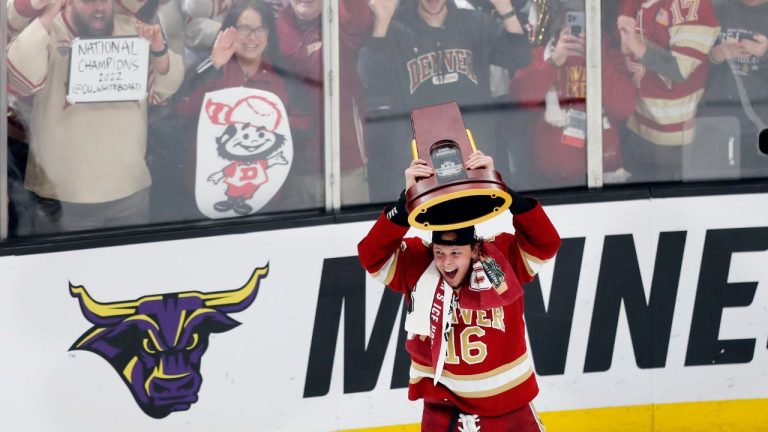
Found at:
[555, 86]
[740, 54]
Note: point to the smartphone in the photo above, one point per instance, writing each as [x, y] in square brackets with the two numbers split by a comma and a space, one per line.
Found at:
[575, 22]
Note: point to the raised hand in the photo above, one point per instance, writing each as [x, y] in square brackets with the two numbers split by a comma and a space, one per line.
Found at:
[630, 41]
[568, 45]
[224, 47]
[49, 8]
[383, 11]
[41, 4]
[417, 171]
[151, 32]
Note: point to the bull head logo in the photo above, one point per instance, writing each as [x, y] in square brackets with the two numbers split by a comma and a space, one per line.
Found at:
[156, 343]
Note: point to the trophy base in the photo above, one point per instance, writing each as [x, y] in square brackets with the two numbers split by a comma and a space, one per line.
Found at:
[458, 204]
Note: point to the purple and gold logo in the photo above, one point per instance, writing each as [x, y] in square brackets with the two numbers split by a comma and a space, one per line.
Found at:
[156, 343]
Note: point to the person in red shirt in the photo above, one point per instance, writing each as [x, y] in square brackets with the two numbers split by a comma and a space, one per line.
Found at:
[555, 85]
[301, 48]
[242, 56]
[466, 334]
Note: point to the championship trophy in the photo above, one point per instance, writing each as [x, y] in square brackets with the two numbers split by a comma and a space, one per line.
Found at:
[454, 197]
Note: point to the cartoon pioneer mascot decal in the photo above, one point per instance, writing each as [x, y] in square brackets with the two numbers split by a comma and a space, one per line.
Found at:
[249, 130]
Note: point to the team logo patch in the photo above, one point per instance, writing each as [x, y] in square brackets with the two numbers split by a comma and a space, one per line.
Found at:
[64, 48]
[156, 343]
[244, 151]
[493, 270]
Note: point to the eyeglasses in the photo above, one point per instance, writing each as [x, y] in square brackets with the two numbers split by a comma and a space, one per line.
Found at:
[245, 31]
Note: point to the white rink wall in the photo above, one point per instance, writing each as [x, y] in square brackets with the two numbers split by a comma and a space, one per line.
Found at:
[255, 376]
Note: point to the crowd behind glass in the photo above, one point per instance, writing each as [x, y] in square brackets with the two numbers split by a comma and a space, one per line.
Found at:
[684, 84]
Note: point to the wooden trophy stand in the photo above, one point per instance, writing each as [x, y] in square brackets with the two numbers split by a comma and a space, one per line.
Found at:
[454, 197]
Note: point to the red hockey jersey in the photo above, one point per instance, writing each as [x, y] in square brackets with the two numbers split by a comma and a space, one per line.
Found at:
[487, 370]
[688, 30]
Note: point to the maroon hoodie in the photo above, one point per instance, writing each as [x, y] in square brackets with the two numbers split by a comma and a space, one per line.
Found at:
[301, 50]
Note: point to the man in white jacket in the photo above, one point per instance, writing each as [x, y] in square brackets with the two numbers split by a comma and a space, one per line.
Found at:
[86, 162]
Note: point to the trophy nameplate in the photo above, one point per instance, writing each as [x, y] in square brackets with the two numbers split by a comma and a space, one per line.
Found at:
[454, 197]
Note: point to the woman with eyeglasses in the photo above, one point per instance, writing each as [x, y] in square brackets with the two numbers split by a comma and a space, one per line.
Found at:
[243, 55]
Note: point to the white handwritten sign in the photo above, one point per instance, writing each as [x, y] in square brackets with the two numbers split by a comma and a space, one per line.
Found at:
[108, 70]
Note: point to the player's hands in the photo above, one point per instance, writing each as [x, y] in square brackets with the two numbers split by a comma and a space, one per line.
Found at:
[756, 46]
[224, 47]
[478, 160]
[630, 41]
[568, 45]
[417, 171]
[151, 32]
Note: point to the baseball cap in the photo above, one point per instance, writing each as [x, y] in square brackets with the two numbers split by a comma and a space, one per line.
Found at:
[464, 236]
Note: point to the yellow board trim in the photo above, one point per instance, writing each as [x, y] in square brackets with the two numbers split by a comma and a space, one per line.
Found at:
[461, 194]
[722, 416]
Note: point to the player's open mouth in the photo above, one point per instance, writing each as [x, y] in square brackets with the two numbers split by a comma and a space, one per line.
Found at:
[451, 274]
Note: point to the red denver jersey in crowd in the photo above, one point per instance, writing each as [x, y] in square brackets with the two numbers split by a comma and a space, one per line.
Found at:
[688, 30]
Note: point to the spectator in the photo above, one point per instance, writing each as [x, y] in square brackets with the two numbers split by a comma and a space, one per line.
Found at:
[740, 55]
[199, 22]
[21, 12]
[301, 48]
[172, 19]
[86, 161]
[432, 52]
[204, 18]
[242, 56]
[555, 84]
[666, 45]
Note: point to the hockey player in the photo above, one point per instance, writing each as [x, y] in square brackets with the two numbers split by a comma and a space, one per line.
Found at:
[466, 334]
